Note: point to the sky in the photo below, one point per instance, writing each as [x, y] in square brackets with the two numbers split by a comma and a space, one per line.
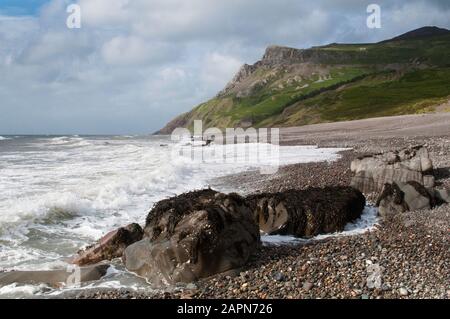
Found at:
[135, 64]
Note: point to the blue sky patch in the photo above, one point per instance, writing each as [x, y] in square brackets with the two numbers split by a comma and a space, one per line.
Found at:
[21, 7]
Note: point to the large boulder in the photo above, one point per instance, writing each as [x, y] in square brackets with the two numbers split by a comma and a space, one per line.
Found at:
[307, 213]
[372, 172]
[192, 236]
[110, 246]
[400, 197]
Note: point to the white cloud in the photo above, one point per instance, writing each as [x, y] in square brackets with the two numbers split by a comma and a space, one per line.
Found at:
[130, 50]
[412, 15]
[218, 69]
[136, 63]
[106, 13]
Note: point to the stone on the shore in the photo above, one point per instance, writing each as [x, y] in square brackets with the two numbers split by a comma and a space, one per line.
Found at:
[391, 200]
[416, 195]
[372, 172]
[403, 292]
[442, 195]
[401, 197]
[307, 213]
[307, 286]
[54, 277]
[192, 236]
[110, 246]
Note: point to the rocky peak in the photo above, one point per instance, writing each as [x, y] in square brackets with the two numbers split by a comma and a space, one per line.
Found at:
[243, 73]
[275, 58]
[280, 55]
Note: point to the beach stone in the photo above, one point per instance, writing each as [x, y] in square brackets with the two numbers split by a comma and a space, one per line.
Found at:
[54, 277]
[307, 286]
[400, 197]
[192, 236]
[191, 286]
[109, 246]
[371, 172]
[279, 276]
[391, 201]
[416, 195]
[442, 195]
[403, 292]
[307, 213]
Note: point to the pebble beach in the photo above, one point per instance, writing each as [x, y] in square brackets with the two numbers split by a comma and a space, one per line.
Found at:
[406, 256]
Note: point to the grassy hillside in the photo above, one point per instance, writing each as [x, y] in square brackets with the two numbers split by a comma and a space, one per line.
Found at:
[431, 50]
[336, 82]
[380, 94]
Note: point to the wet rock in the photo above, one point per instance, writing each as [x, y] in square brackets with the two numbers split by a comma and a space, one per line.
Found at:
[192, 236]
[307, 213]
[54, 278]
[109, 246]
[411, 164]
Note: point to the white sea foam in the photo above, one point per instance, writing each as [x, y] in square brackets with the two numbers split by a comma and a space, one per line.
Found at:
[21, 291]
[2, 138]
[59, 194]
[280, 240]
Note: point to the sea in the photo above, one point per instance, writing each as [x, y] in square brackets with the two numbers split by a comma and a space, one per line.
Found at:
[61, 193]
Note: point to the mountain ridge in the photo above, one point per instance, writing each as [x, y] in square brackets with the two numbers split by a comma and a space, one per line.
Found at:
[428, 31]
[291, 86]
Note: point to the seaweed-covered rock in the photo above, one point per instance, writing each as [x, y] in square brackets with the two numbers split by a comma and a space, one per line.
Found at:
[307, 213]
[192, 236]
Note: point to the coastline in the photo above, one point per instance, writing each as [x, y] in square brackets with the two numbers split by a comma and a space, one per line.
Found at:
[411, 249]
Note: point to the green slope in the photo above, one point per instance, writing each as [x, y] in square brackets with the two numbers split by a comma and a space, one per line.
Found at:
[382, 94]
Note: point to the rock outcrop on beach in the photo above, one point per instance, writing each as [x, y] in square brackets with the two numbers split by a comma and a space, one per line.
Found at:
[442, 195]
[110, 246]
[372, 172]
[203, 233]
[192, 236]
[307, 213]
[401, 197]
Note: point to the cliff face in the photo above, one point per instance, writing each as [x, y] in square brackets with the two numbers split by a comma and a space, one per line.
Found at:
[244, 72]
[276, 58]
[276, 55]
[290, 86]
